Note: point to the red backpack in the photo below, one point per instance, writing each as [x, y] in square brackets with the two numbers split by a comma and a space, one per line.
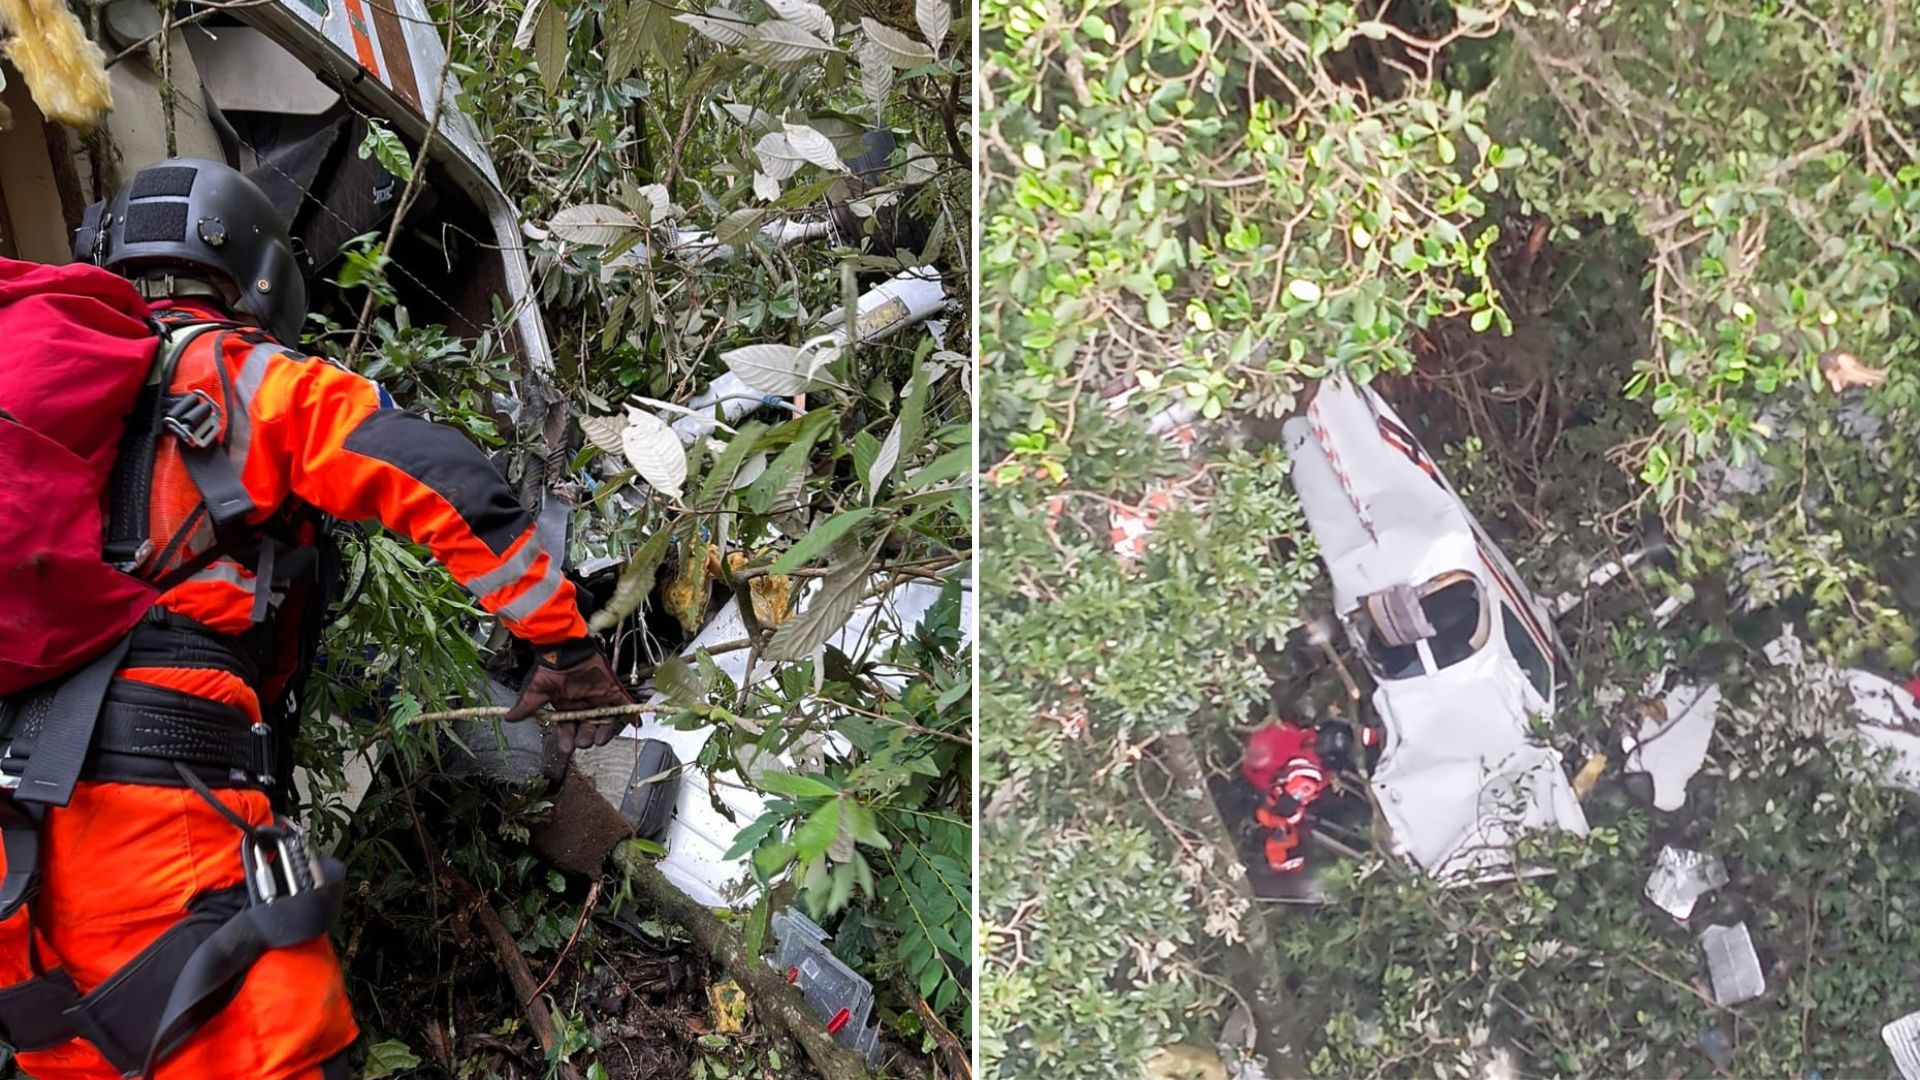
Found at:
[77, 344]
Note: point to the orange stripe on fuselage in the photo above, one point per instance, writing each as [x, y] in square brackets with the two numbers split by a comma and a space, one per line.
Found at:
[362, 43]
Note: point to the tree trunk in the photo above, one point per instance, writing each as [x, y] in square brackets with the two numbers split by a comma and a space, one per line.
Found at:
[776, 1000]
[1252, 965]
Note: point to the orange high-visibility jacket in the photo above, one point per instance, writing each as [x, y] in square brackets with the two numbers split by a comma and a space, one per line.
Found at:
[303, 428]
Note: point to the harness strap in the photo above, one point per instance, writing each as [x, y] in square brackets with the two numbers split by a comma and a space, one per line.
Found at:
[129, 537]
[213, 973]
[60, 724]
[157, 1001]
[140, 732]
[33, 1013]
[118, 1017]
[20, 839]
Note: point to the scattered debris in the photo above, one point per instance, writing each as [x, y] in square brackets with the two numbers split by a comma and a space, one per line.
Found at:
[65, 70]
[1589, 775]
[1903, 1038]
[1844, 370]
[776, 1002]
[1671, 743]
[839, 996]
[1714, 1044]
[1464, 656]
[1681, 878]
[1888, 714]
[1499, 1065]
[1733, 964]
[729, 1007]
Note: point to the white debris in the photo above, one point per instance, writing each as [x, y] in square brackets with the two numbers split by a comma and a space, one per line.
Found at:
[1733, 964]
[1672, 742]
[1681, 878]
[1236, 1047]
[1903, 1039]
[1902, 768]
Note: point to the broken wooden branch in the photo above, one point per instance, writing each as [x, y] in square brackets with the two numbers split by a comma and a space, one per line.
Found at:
[953, 1052]
[777, 1001]
[525, 990]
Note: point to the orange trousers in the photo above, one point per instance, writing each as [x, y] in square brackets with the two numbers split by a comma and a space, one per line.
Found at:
[119, 865]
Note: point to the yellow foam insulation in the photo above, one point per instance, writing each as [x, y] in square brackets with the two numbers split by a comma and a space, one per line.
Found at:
[65, 71]
[772, 593]
[691, 587]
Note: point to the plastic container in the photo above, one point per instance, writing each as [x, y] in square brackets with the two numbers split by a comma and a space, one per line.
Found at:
[838, 996]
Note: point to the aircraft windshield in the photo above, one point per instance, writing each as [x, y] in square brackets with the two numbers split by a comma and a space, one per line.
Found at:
[1455, 606]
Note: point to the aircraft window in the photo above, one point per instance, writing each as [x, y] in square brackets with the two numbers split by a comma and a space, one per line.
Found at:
[1456, 609]
[1392, 661]
[1453, 604]
[1532, 661]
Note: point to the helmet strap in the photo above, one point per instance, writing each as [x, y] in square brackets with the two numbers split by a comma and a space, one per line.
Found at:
[174, 287]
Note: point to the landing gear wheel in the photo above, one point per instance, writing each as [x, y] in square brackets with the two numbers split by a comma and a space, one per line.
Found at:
[653, 790]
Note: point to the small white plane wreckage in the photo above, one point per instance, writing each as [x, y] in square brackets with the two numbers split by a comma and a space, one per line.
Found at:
[1464, 656]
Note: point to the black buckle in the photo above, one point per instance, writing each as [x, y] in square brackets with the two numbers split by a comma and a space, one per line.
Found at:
[195, 418]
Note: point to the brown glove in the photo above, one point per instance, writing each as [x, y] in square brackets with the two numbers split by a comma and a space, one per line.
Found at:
[572, 677]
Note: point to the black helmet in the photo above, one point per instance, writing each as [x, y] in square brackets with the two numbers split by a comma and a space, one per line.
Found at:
[1334, 743]
[201, 214]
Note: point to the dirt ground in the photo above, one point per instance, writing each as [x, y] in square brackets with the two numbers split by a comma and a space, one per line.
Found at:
[626, 991]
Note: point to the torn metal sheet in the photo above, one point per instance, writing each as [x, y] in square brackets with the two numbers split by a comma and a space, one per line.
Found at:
[1733, 964]
[1681, 878]
[713, 807]
[1671, 743]
[1903, 1040]
[1902, 750]
[909, 297]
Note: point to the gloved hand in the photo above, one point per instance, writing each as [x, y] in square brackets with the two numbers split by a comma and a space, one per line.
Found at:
[572, 677]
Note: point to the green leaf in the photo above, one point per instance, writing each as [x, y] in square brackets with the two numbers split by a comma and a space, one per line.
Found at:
[719, 479]
[550, 44]
[795, 786]
[749, 838]
[760, 495]
[1304, 291]
[773, 858]
[635, 584]
[757, 923]
[389, 150]
[953, 463]
[1159, 315]
[865, 449]
[384, 1059]
[827, 611]
[819, 539]
[677, 679]
[865, 826]
[822, 826]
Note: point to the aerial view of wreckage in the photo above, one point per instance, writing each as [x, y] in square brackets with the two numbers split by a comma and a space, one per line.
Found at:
[1460, 666]
[282, 90]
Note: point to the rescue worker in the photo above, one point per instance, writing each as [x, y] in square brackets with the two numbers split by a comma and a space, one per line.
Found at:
[1291, 767]
[1282, 763]
[170, 833]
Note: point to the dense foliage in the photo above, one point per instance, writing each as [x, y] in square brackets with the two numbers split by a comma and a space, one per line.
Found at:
[656, 153]
[1616, 258]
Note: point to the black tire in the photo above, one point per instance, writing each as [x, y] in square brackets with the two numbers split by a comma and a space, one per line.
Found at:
[653, 790]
